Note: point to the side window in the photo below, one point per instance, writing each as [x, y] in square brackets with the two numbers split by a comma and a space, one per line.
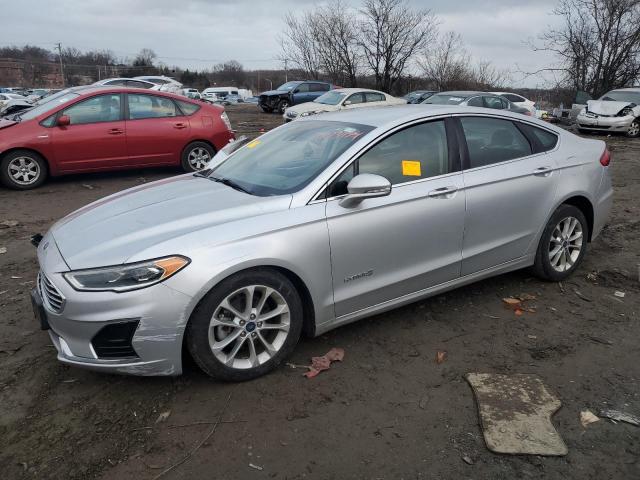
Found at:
[491, 140]
[355, 99]
[136, 84]
[302, 88]
[187, 108]
[546, 139]
[102, 108]
[150, 106]
[117, 82]
[494, 102]
[475, 102]
[420, 151]
[317, 87]
[373, 97]
[512, 97]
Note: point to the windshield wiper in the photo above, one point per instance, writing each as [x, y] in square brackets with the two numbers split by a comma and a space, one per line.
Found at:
[230, 183]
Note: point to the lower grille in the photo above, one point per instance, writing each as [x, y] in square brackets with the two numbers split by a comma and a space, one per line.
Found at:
[114, 340]
[50, 294]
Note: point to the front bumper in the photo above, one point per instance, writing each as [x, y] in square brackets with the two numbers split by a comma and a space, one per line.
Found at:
[157, 314]
[592, 121]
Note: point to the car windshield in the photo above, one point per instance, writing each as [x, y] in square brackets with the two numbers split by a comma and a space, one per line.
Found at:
[47, 106]
[288, 86]
[330, 98]
[622, 96]
[289, 158]
[440, 99]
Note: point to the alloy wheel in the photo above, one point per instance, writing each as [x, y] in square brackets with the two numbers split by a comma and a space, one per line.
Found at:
[198, 158]
[634, 129]
[24, 170]
[249, 327]
[565, 244]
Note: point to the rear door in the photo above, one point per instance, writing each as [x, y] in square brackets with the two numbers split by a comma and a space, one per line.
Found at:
[157, 132]
[95, 139]
[510, 184]
[388, 247]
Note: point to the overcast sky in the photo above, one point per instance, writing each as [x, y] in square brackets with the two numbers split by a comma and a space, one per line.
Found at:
[199, 33]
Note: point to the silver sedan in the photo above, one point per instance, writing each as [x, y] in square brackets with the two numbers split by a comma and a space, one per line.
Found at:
[311, 226]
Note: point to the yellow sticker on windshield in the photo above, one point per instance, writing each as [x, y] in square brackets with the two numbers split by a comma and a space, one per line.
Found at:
[253, 144]
[411, 168]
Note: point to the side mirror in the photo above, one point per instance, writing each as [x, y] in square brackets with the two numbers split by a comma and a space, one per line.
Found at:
[63, 121]
[365, 185]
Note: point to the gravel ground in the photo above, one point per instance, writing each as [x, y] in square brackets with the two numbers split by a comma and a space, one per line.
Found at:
[388, 411]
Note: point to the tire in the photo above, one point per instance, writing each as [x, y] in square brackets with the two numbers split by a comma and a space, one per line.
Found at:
[212, 323]
[196, 155]
[556, 267]
[23, 170]
[634, 129]
[267, 109]
[283, 105]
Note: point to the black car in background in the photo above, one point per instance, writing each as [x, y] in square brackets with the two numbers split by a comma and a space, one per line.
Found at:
[418, 96]
[292, 93]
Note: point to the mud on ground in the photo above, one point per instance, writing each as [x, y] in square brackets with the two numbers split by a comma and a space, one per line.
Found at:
[388, 411]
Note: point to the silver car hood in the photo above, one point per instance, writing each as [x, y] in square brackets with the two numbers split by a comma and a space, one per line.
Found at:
[603, 107]
[113, 229]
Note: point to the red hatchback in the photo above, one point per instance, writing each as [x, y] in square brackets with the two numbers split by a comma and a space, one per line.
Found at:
[95, 129]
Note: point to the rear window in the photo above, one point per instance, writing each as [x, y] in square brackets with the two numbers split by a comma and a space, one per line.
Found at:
[188, 108]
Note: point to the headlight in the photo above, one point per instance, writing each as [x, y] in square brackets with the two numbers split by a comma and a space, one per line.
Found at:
[306, 114]
[625, 112]
[122, 278]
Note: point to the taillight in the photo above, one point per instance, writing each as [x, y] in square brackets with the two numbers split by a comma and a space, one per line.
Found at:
[605, 158]
[225, 119]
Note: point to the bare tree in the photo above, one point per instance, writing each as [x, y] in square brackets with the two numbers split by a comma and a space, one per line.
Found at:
[391, 35]
[446, 63]
[145, 58]
[598, 46]
[299, 45]
[486, 76]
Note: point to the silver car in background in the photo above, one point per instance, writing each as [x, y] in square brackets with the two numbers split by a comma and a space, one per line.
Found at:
[313, 225]
[616, 111]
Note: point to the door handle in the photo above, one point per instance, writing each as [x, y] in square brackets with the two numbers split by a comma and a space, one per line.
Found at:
[116, 131]
[542, 171]
[179, 126]
[442, 191]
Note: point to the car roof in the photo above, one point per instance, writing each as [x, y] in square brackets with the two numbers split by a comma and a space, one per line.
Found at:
[628, 89]
[384, 116]
[463, 93]
[91, 89]
[355, 90]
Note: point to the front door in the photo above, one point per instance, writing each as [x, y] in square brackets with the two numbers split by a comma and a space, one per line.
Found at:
[510, 193]
[95, 138]
[388, 247]
[157, 132]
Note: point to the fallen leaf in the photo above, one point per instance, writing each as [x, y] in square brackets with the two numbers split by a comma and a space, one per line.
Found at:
[441, 356]
[163, 416]
[587, 417]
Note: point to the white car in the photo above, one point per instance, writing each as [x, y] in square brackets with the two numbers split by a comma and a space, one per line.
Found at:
[342, 99]
[162, 83]
[7, 97]
[616, 111]
[125, 82]
[518, 100]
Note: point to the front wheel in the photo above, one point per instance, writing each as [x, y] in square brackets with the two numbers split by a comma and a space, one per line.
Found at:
[196, 156]
[267, 109]
[245, 326]
[634, 129]
[562, 245]
[23, 170]
[283, 105]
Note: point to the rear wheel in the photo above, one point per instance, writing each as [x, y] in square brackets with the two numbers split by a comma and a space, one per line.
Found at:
[562, 245]
[196, 156]
[23, 170]
[634, 129]
[245, 326]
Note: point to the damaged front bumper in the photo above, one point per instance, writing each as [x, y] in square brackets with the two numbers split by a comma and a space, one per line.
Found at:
[137, 333]
[592, 121]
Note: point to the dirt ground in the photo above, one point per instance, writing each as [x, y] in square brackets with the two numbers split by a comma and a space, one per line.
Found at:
[388, 411]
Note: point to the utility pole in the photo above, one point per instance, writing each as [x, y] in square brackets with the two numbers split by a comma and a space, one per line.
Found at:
[285, 71]
[64, 83]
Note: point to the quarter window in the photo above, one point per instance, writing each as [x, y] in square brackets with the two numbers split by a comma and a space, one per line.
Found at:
[187, 108]
[546, 139]
[420, 151]
[491, 140]
[150, 106]
[101, 108]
